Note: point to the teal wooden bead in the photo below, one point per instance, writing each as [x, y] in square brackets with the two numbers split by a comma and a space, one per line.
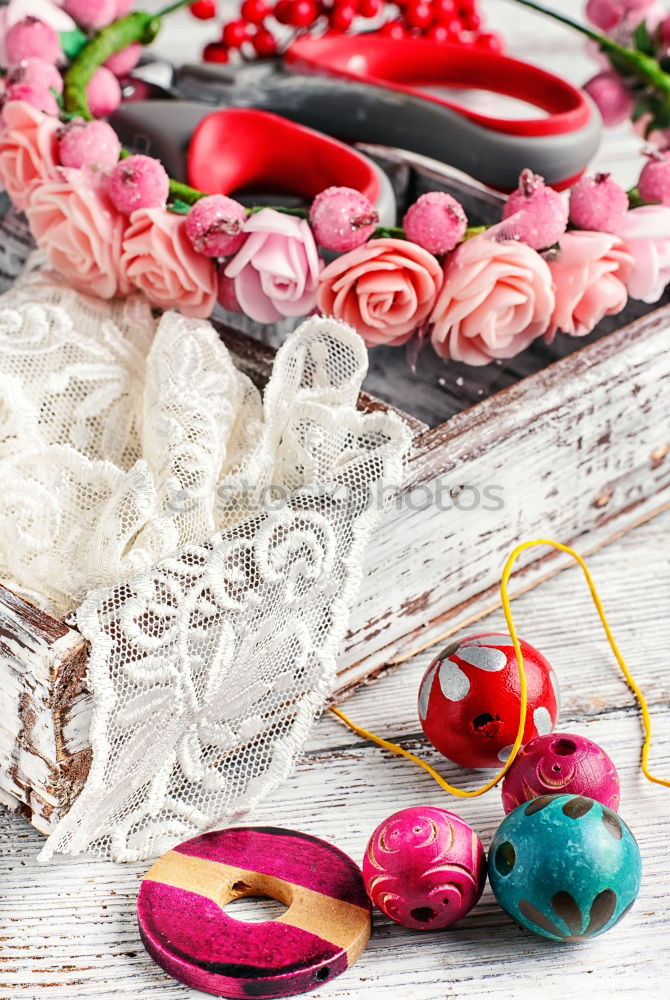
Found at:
[565, 867]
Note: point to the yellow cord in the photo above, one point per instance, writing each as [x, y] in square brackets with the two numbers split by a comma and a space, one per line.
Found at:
[523, 690]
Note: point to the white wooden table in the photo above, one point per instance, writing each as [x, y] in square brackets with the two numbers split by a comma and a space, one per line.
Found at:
[68, 930]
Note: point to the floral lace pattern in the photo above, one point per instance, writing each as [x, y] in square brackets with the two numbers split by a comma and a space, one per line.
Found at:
[208, 541]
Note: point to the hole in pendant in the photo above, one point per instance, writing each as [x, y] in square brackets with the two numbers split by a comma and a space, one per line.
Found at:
[556, 768]
[255, 909]
[423, 914]
[563, 747]
[322, 974]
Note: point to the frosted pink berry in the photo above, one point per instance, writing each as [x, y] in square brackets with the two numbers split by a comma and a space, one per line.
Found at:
[138, 182]
[103, 93]
[342, 219]
[611, 96]
[38, 73]
[91, 14]
[31, 37]
[214, 225]
[654, 182]
[93, 145]
[598, 203]
[435, 221]
[226, 295]
[125, 61]
[37, 97]
[541, 214]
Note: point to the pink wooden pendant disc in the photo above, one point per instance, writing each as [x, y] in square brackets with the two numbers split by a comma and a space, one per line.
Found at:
[186, 930]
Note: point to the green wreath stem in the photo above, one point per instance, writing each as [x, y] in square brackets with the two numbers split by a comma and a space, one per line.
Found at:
[637, 64]
[137, 27]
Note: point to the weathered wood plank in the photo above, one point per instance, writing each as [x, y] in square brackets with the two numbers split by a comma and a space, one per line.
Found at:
[578, 452]
[69, 930]
[42, 670]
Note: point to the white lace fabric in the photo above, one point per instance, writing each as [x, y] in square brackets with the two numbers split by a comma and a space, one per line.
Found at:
[207, 542]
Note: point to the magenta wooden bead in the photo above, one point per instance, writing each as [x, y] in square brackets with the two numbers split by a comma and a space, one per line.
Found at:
[561, 764]
[424, 868]
[186, 930]
[469, 699]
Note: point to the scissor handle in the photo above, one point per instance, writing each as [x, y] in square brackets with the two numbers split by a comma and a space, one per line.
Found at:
[225, 150]
[410, 66]
[362, 112]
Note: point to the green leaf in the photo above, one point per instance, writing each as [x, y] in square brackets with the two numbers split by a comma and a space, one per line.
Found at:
[179, 207]
[642, 39]
[72, 42]
[620, 63]
[472, 231]
[660, 117]
[640, 109]
[634, 200]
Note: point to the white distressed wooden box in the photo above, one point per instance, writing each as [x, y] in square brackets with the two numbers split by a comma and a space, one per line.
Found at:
[570, 442]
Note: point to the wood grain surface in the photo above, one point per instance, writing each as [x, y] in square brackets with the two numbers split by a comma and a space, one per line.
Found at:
[69, 930]
[580, 450]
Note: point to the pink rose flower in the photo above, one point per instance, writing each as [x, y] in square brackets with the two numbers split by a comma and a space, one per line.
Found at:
[646, 236]
[159, 260]
[589, 272]
[28, 150]
[496, 299]
[75, 224]
[385, 289]
[276, 271]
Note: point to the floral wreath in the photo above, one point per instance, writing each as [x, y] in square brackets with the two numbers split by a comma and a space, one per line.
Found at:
[111, 222]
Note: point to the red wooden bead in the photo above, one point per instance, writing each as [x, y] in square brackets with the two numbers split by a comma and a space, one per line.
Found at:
[204, 10]
[469, 699]
[370, 8]
[419, 14]
[282, 11]
[254, 11]
[264, 43]
[342, 17]
[303, 13]
[215, 52]
[235, 34]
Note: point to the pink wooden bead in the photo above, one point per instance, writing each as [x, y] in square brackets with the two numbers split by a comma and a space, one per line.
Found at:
[561, 764]
[424, 868]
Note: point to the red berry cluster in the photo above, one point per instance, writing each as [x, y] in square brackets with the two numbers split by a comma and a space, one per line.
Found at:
[261, 29]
